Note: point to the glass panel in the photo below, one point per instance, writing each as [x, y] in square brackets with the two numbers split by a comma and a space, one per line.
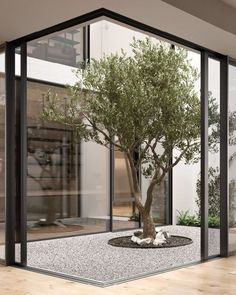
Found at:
[232, 159]
[214, 158]
[186, 181]
[66, 184]
[124, 213]
[2, 155]
[68, 181]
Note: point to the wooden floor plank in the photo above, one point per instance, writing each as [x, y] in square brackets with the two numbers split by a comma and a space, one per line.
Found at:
[212, 277]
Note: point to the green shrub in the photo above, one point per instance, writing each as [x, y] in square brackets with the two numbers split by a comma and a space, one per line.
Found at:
[214, 198]
[213, 221]
[134, 217]
[184, 218]
[213, 192]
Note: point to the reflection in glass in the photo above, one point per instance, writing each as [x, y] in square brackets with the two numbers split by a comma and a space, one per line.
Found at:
[66, 183]
[64, 48]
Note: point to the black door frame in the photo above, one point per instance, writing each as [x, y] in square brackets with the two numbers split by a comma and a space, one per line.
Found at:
[19, 173]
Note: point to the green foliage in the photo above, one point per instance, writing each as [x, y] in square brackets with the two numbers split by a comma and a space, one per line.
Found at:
[232, 203]
[213, 192]
[214, 196]
[184, 218]
[135, 217]
[142, 100]
[213, 221]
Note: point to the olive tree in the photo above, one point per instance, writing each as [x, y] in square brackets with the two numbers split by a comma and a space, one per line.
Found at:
[136, 104]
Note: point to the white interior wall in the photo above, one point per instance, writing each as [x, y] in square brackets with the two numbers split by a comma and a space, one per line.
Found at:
[184, 188]
[95, 179]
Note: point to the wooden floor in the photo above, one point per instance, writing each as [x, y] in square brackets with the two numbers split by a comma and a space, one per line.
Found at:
[214, 277]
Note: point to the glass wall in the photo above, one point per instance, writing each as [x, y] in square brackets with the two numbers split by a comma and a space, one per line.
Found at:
[2, 155]
[232, 158]
[68, 179]
[186, 178]
[214, 157]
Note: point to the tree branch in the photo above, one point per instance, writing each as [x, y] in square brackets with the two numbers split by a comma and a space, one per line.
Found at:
[157, 179]
[155, 156]
[95, 127]
[179, 158]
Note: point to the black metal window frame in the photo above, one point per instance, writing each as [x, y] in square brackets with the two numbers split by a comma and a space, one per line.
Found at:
[3, 50]
[12, 174]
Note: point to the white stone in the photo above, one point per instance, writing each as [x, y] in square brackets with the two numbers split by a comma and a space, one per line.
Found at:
[144, 241]
[158, 242]
[160, 235]
[160, 230]
[134, 239]
[141, 241]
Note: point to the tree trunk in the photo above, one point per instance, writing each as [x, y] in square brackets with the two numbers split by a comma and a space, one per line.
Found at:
[149, 230]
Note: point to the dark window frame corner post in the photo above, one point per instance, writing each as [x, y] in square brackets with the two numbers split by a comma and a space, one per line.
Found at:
[204, 155]
[224, 189]
[111, 183]
[10, 182]
[23, 153]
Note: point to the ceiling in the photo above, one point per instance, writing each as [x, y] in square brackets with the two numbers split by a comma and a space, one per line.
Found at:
[231, 3]
[211, 26]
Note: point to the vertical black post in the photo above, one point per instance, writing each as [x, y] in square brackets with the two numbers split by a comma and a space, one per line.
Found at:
[169, 200]
[86, 44]
[23, 152]
[112, 170]
[224, 195]
[204, 155]
[10, 154]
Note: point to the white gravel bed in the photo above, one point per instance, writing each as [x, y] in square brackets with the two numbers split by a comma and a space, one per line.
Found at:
[91, 258]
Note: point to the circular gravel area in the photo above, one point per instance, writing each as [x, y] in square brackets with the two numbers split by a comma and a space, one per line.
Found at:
[173, 241]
